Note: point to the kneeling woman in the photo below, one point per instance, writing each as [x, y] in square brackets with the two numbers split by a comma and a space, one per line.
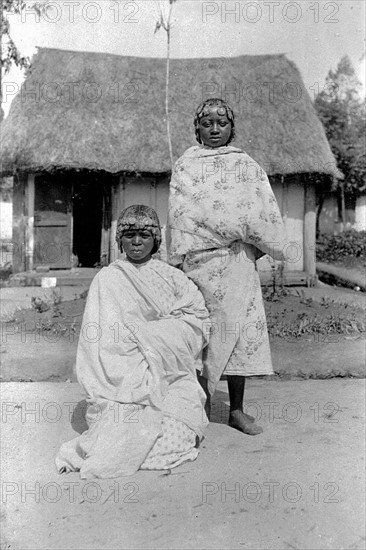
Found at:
[140, 345]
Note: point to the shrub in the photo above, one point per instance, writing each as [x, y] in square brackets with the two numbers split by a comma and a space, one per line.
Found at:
[5, 271]
[46, 303]
[348, 245]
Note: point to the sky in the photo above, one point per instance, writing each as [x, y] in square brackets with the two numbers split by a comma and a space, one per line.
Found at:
[313, 34]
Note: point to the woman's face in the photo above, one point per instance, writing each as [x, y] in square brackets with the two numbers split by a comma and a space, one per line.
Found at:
[138, 244]
[215, 128]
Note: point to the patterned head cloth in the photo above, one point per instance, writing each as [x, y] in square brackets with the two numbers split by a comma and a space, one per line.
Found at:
[223, 109]
[139, 216]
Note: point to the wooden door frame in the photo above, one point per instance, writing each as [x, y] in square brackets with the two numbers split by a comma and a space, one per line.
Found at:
[29, 199]
[106, 224]
[19, 221]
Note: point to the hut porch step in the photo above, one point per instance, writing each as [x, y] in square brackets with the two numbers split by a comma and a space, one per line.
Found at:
[289, 278]
[83, 277]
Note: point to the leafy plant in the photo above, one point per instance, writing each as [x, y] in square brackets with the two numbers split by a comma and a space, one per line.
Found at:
[348, 245]
[341, 108]
[275, 290]
[58, 328]
[54, 321]
[326, 302]
[45, 304]
[5, 271]
[9, 52]
[307, 301]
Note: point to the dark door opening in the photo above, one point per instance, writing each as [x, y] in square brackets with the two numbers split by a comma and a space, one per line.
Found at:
[87, 218]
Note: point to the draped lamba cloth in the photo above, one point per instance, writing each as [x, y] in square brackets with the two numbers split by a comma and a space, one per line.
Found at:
[222, 217]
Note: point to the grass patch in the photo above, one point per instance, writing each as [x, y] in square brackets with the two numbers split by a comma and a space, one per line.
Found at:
[290, 314]
[304, 324]
[294, 315]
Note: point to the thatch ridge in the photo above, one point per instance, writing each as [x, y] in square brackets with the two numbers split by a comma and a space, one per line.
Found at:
[83, 110]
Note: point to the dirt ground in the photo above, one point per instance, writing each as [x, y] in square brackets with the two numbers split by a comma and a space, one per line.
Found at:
[41, 346]
[300, 484]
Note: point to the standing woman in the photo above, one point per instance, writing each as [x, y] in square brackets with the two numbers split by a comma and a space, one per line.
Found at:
[223, 216]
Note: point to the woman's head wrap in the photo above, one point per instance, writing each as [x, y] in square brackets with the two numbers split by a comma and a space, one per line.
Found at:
[139, 216]
[223, 109]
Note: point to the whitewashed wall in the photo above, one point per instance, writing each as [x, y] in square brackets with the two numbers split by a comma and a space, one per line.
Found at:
[330, 223]
[134, 190]
[6, 220]
[360, 214]
[290, 198]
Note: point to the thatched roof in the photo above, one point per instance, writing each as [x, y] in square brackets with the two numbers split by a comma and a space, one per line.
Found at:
[98, 111]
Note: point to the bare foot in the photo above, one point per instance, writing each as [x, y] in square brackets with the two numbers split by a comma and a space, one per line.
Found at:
[239, 421]
[249, 417]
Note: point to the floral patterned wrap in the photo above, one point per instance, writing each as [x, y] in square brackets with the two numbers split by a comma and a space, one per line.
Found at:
[222, 217]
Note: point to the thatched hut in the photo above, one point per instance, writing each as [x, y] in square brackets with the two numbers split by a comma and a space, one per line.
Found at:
[86, 136]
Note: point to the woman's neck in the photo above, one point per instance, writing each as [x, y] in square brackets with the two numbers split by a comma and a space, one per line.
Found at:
[213, 148]
[137, 265]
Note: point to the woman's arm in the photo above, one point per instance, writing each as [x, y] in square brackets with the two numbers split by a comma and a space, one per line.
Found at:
[190, 305]
[176, 260]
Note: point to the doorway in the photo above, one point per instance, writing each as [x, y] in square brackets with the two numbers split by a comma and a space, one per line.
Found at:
[87, 201]
[68, 216]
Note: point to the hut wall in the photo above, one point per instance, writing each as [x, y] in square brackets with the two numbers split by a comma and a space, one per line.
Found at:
[294, 222]
[330, 219]
[289, 192]
[152, 190]
[6, 220]
[360, 213]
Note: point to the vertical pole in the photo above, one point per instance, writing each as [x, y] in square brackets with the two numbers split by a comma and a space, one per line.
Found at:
[343, 206]
[19, 230]
[30, 222]
[309, 228]
[117, 203]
